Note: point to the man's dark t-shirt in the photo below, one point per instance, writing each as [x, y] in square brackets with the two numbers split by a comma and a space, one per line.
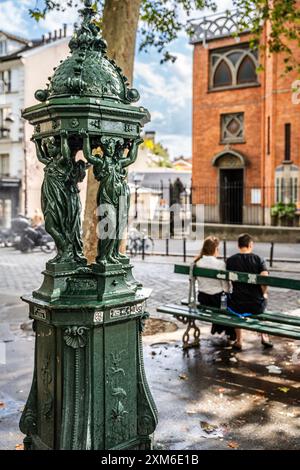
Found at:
[247, 298]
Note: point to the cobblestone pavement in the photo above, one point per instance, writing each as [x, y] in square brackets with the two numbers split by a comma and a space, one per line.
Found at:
[246, 405]
[21, 273]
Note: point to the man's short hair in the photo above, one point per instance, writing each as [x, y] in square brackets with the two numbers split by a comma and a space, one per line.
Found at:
[244, 240]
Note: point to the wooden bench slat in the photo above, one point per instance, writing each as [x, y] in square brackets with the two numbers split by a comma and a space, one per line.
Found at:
[244, 278]
[254, 324]
[274, 323]
[276, 317]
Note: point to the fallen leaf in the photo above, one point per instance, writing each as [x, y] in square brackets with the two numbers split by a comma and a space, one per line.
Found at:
[283, 389]
[183, 377]
[211, 430]
[207, 427]
[19, 447]
[233, 445]
[2, 404]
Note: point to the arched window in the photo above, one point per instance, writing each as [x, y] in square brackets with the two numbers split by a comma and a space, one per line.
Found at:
[247, 71]
[222, 76]
[233, 67]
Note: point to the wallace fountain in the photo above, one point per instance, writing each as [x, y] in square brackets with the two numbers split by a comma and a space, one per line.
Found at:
[89, 389]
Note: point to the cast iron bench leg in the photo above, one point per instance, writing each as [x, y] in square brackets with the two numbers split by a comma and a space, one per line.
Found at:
[191, 325]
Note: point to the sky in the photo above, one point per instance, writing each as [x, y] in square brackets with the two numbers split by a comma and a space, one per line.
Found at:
[165, 89]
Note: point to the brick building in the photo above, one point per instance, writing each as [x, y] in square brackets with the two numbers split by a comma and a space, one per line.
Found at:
[246, 129]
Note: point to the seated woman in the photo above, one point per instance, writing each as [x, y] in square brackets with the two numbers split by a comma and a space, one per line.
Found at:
[210, 290]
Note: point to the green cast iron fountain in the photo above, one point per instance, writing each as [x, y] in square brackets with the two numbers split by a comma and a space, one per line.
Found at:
[89, 389]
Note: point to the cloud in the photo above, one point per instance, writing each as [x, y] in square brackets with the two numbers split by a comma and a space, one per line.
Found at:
[157, 116]
[55, 19]
[166, 90]
[13, 16]
[170, 82]
[176, 144]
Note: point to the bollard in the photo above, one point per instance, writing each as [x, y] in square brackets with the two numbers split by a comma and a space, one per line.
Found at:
[167, 247]
[184, 250]
[225, 249]
[143, 249]
[271, 254]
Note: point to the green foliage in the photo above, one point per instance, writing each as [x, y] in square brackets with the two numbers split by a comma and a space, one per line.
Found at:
[161, 21]
[164, 160]
[284, 18]
[282, 210]
[157, 149]
[39, 13]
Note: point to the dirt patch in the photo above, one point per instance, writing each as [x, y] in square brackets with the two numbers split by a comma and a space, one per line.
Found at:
[155, 326]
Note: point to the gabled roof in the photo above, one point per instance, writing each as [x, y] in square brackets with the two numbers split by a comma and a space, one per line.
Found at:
[28, 44]
[13, 37]
[17, 54]
[25, 44]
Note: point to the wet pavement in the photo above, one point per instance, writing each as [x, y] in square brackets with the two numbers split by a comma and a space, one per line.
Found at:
[209, 398]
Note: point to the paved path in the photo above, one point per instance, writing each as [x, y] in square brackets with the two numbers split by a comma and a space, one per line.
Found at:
[248, 406]
[21, 273]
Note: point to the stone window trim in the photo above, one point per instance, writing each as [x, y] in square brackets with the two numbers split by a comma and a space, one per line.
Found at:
[233, 87]
[5, 81]
[4, 131]
[217, 56]
[229, 135]
[4, 165]
[3, 47]
[287, 185]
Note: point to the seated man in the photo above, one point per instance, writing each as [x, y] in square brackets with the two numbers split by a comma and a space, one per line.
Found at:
[248, 298]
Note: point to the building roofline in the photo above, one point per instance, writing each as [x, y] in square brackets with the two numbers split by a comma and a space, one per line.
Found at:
[14, 37]
[44, 45]
[217, 26]
[31, 49]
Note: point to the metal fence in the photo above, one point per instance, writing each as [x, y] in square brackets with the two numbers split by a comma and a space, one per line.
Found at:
[231, 203]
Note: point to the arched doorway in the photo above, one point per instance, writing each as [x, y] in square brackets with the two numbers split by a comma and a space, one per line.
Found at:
[231, 183]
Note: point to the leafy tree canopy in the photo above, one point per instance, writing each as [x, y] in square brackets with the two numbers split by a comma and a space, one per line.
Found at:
[162, 20]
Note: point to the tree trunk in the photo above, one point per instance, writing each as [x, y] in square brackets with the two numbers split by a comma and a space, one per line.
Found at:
[120, 22]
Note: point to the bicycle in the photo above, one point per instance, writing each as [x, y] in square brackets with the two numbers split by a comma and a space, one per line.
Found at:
[139, 243]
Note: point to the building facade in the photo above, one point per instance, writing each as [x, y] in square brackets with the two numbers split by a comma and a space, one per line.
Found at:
[246, 125]
[24, 67]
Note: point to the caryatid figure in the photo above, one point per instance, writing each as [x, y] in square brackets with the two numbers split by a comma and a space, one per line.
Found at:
[60, 199]
[112, 196]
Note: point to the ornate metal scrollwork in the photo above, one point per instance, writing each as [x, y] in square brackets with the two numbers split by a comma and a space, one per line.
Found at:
[76, 336]
[216, 26]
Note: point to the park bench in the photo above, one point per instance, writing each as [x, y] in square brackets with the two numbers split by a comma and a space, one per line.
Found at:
[273, 323]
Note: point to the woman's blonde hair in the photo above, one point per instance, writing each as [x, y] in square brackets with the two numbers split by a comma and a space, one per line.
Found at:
[209, 247]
